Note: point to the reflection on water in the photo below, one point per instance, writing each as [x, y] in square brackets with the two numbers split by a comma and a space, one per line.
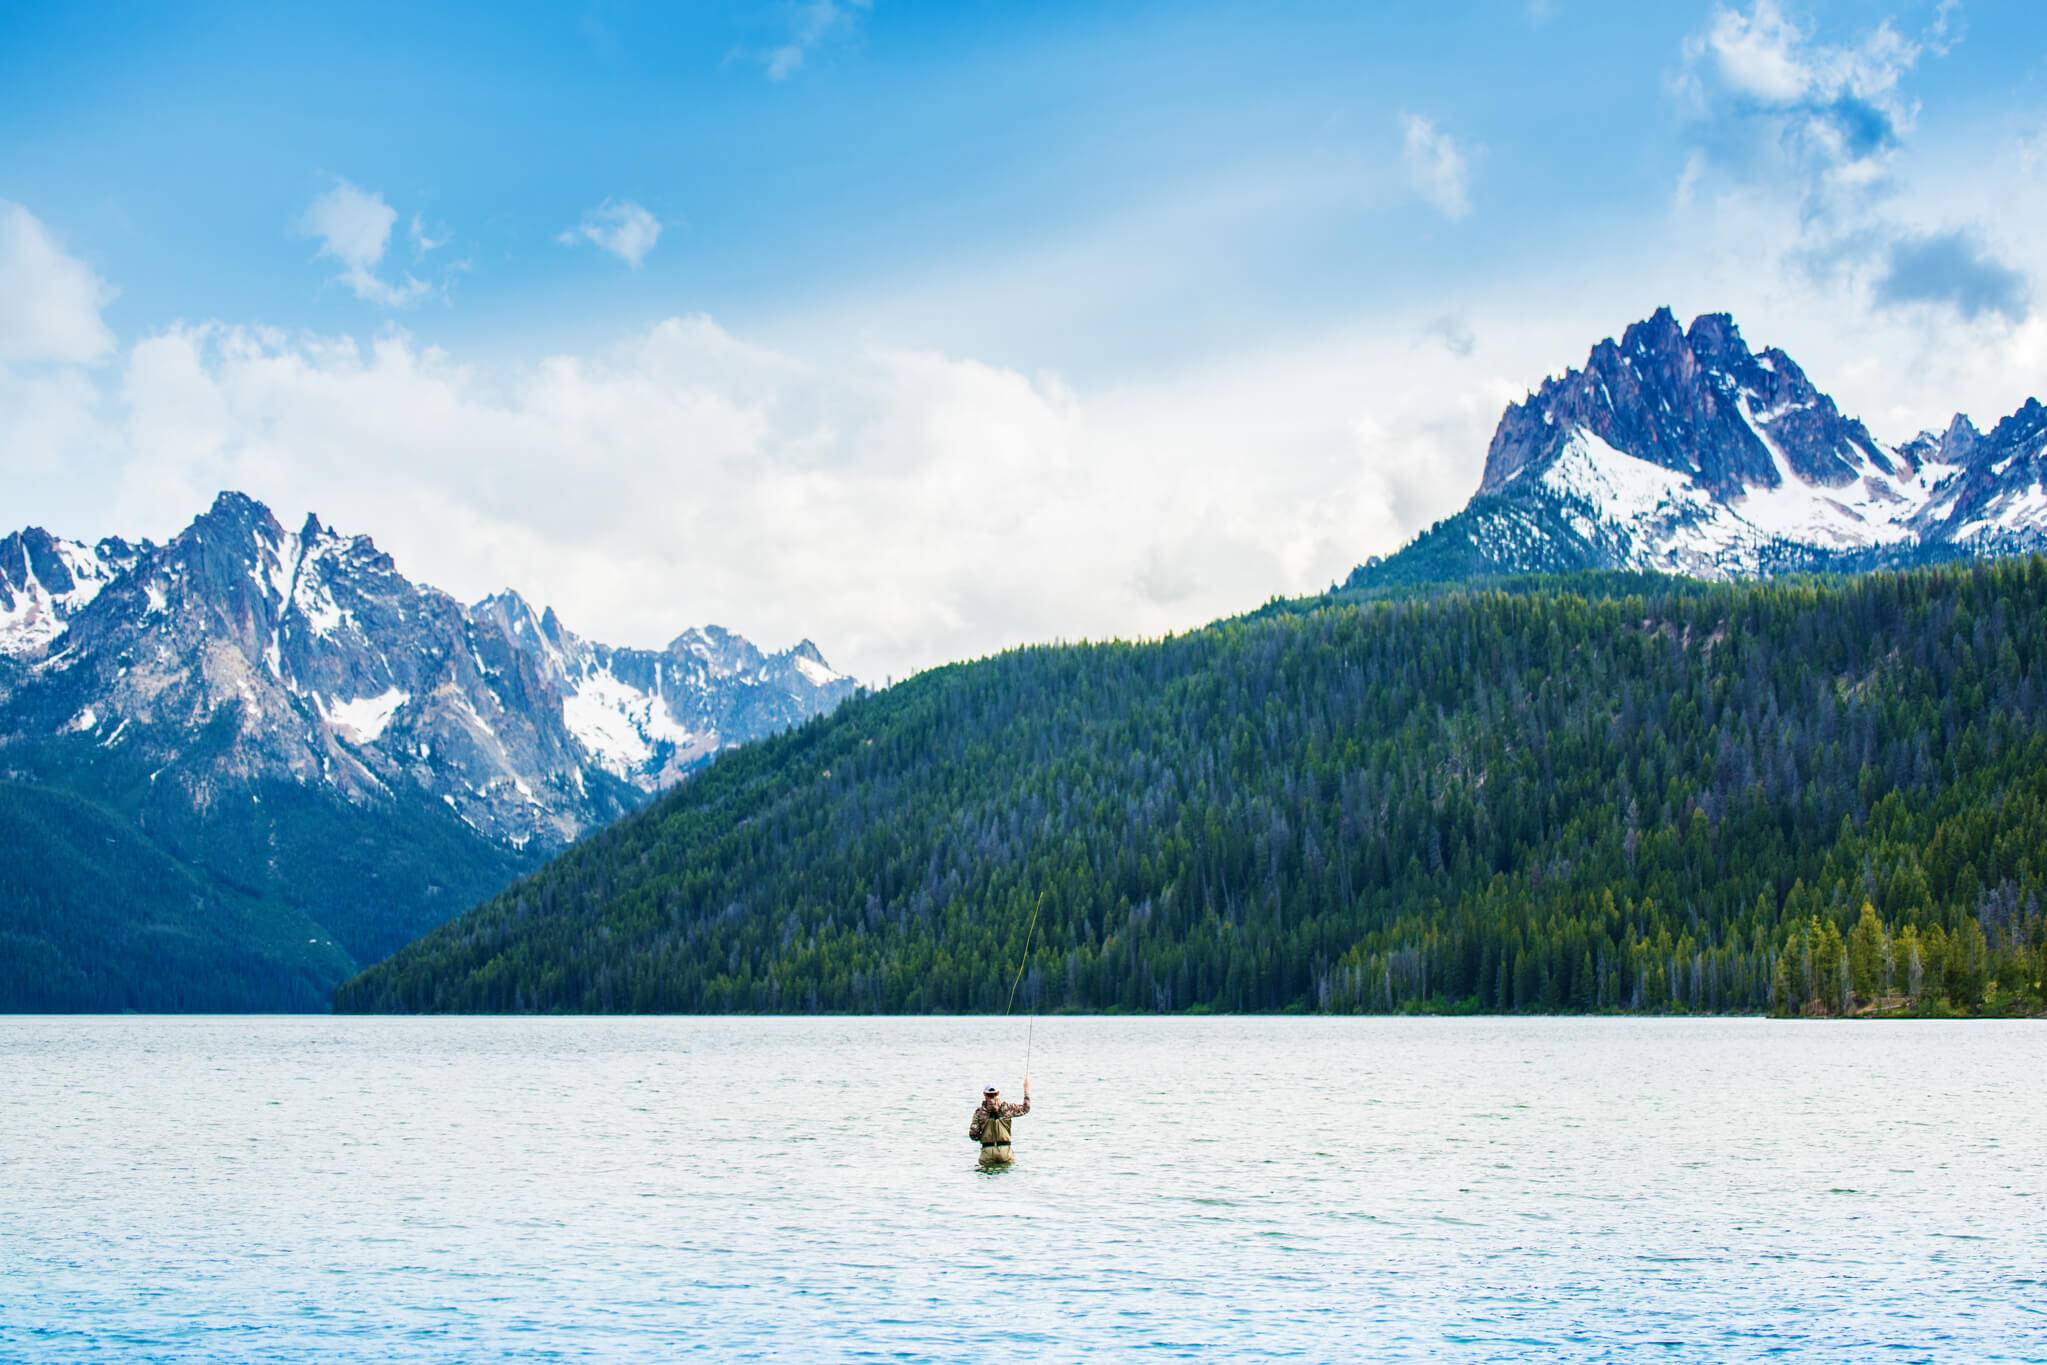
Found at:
[1484, 1189]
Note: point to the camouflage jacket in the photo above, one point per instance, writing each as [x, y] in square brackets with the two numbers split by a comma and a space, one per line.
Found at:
[987, 1110]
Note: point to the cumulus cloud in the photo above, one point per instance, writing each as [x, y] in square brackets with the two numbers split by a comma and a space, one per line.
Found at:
[1759, 54]
[1769, 95]
[53, 433]
[1955, 270]
[1438, 165]
[49, 301]
[353, 226]
[618, 226]
[902, 506]
[1805, 136]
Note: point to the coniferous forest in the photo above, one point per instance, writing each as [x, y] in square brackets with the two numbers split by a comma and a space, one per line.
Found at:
[1580, 794]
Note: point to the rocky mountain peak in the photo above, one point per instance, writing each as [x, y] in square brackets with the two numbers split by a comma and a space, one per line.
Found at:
[1959, 440]
[552, 629]
[1713, 338]
[233, 515]
[1656, 335]
[2018, 428]
[46, 580]
[336, 671]
[724, 653]
[1684, 450]
[509, 610]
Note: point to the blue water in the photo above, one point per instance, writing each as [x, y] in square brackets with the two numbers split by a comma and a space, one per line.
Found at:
[291, 1188]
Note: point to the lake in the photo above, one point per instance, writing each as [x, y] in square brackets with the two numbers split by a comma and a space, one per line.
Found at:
[1476, 1189]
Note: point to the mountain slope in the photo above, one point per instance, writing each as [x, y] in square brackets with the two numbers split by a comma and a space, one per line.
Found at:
[300, 727]
[70, 933]
[1562, 797]
[1684, 452]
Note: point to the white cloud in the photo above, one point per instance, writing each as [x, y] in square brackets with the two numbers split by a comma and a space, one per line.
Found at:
[49, 301]
[1757, 53]
[906, 504]
[56, 449]
[902, 506]
[1438, 166]
[811, 24]
[354, 226]
[1824, 118]
[1801, 149]
[1913, 315]
[52, 430]
[619, 226]
[424, 242]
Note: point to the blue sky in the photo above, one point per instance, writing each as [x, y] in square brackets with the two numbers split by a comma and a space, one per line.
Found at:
[811, 282]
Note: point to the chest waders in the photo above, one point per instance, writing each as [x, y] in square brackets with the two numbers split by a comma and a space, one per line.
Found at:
[995, 1149]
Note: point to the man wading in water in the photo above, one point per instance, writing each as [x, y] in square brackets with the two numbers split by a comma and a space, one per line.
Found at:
[990, 1126]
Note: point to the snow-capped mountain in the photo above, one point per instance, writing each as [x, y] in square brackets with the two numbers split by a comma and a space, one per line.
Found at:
[1685, 452]
[241, 653]
[44, 581]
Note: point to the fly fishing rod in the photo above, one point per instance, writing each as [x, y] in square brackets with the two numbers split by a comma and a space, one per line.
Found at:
[1032, 1025]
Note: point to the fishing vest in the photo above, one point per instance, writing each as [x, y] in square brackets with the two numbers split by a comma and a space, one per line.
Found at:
[994, 1131]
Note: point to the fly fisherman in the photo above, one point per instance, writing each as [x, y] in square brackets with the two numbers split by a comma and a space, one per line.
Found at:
[990, 1126]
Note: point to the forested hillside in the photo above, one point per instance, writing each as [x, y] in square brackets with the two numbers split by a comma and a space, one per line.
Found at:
[69, 939]
[115, 894]
[1575, 796]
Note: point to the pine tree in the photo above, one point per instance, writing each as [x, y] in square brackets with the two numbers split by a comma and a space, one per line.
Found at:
[1867, 946]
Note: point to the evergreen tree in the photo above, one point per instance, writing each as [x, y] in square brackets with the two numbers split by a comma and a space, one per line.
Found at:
[1868, 946]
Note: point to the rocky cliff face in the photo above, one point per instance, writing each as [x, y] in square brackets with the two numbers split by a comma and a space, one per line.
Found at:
[1684, 451]
[304, 656]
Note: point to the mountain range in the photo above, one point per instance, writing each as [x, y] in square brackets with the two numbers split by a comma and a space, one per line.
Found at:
[1682, 451]
[292, 723]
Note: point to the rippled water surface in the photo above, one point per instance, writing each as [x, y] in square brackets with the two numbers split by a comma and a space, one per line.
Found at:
[289, 1188]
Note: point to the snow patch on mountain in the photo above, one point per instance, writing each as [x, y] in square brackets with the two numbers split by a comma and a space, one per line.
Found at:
[819, 674]
[1872, 509]
[365, 718]
[1623, 488]
[1690, 531]
[620, 725]
[2021, 509]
